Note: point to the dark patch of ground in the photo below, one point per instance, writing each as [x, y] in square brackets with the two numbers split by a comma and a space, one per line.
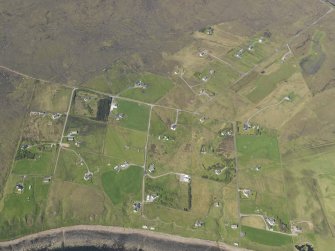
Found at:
[73, 40]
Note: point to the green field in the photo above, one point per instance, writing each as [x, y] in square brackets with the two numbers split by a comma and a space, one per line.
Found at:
[42, 164]
[120, 186]
[172, 193]
[250, 58]
[136, 115]
[91, 134]
[157, 87]
[266, 237]
[257, 148]
[114, 79]
[265, 84]
[23, 213]
[125, 144]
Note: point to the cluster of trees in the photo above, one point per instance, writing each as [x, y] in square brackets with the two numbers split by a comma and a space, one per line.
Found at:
[24, 154]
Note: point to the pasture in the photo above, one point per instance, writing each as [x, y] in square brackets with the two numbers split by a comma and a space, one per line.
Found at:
[125, 144]
[135, 115]
[156, 87]
[124, 185]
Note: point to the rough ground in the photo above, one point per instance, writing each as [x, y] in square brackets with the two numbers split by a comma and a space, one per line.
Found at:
[72, 40]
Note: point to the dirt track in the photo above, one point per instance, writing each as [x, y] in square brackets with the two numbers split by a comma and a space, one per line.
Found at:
[83, 235]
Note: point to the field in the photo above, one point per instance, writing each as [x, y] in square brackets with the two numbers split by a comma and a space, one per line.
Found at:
[147, 125]
[156, 87]
[41, 164]
[136, 115]
[124, 184]
[125, 144]
[267, 238]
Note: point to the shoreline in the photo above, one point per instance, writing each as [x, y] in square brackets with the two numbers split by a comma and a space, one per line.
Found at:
[108, 236]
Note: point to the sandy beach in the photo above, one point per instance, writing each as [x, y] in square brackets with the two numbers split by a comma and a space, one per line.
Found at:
[129, 239]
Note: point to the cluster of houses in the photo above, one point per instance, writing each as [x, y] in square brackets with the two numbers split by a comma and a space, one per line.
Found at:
[71, 136]
[54, 116]
[206, 92]
[88, 176]
[148, 228]
[184, 178]
[117, 116]
[270, 221]
[250, 48]
[19, 187]
[246, 193]
[203, 53]
[151, 198]
[208, 30]
[226, 132]
[173, 127]
[199, 223]
[165, 138]
[137, 206]
[140, 84]
[122, 166]
[151, 168]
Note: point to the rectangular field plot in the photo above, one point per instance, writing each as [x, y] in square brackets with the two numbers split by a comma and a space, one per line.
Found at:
[171, 150]
[72, 166]
[43, 127]
[259, 239]
[92, 105]
[249, 54]
[261, 150]
[216, 77]
[35, 160]
[131, 115]
[171, 192]
[265, 84]
[70, 203]
[125, 144]
[123, 185]
[51, 98]
[23, 206]
[85, 135]
[116, 78]
[148, 88]
[311, 188]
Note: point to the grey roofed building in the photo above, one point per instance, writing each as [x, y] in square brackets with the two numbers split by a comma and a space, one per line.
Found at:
[332, 2]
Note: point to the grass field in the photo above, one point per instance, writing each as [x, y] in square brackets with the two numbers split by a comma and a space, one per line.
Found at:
[91, 134]
[136, 116]
[157, 87]
[265, 84]
[120, 186]
[125, 144]
[113, 79]
[23, 213]
[266, 237]
[252, 149]
[42, 164]
[172, 193]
